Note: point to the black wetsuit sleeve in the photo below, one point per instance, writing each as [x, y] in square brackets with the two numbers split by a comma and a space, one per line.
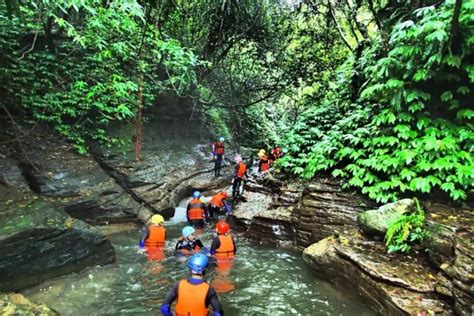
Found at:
[213, 300]
[179, 245]
[198, 243]
[216, 243]
[172, 295]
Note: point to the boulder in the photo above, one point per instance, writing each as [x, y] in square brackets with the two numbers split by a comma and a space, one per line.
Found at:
[394, 285]
[17, 304]
[376, 222]
[38, 241]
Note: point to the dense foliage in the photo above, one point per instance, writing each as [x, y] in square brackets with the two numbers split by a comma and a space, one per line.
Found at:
[377, 93]
[80, 65]
[406, 230]
[399, 117]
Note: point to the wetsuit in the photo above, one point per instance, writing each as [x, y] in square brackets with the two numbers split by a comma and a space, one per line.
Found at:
[191, 245]
[240, 172]
[218, 152]
[211, 296]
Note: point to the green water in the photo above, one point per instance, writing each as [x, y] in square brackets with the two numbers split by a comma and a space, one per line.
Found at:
[267, 281]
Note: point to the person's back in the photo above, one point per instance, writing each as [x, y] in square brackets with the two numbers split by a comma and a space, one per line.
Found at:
[240, 171]
[223, 246]
[218, 150]
[155, 234]
[196, 212]
[193, 295]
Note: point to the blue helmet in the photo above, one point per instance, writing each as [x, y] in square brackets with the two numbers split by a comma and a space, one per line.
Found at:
[188, 230]
[198, 263]
[221, 139]
[196, 194]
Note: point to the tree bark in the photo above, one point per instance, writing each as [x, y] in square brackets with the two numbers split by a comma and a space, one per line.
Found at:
[331, 10]
[139, 115]
[455, 34]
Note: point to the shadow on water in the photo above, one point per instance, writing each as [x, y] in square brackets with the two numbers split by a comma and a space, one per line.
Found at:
[262, 281]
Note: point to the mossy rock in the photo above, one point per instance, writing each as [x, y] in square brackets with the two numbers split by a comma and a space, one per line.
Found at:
[376, 222]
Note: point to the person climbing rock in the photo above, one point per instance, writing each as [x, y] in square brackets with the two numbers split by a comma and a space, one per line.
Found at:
[223, 245]
[218, 155]
[187, 243]
[218, 205]
[240, 171]
[193, 295]
[153, 241]
[196, 211]
[263, 163]
[275, 154]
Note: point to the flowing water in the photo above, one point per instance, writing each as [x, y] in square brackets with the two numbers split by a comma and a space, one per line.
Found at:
[262, 281]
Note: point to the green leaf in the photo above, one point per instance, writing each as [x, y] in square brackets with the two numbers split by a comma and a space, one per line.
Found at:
[465, 114]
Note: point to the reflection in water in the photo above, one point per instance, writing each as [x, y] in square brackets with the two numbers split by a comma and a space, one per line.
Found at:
[259, 281]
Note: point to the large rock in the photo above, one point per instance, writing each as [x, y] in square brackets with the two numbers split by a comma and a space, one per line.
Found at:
[451, 249]
[17, 304]
[376, 222]
[266, 210]
[38, 241]
[394, 285]
[325, 210]
[53, 168]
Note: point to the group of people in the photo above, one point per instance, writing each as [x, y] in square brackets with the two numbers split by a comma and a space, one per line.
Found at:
[265, 161]
[193, 295]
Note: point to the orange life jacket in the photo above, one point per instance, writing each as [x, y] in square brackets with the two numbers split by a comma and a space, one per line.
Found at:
[196, 210]
[191, 299]
[219, 148]
[217, 200]
[265, 165]
[241, 170]
[226, 249]
[156, 236]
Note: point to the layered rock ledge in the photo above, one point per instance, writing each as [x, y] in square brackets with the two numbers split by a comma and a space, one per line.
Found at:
[38, 241]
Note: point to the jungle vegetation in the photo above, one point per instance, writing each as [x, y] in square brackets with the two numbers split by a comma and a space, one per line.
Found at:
[377, 93]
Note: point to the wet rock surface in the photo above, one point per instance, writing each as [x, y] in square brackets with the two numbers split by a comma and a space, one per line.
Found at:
[451, 248]
[17, 304]
[395, 285]
[53, 168]
[325, 210]
[266, 210]
[38, 241]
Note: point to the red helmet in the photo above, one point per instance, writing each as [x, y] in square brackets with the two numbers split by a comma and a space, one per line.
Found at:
[222, 227]
[224, 194]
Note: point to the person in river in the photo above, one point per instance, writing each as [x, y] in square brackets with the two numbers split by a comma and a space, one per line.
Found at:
[240, 171]
[193, 295]
[218, 155]
[196, 211]
[187, 243]
[153, 240]
[218, 205]
[223, 245]
[223, 249]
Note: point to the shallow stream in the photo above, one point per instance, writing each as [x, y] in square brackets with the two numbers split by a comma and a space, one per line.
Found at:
[263, 281]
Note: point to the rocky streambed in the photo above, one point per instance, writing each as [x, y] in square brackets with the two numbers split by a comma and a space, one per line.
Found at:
[54, 198]
[322, 221]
